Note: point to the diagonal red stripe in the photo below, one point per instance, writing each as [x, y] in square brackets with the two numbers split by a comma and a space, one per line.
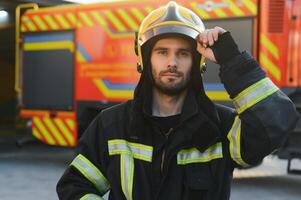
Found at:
[61, 133]
[49, 131]
[41, 135]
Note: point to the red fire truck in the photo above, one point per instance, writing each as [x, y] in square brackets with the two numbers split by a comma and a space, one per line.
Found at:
[73, 61]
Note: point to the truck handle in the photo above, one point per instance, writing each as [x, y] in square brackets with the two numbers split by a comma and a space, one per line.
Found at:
[18, 41]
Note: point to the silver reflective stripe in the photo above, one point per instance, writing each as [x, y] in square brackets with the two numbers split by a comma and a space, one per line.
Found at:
[139, 151]
[91, 197]
[92, 173]
[234, 137]
[193, 155]
[253, 94]
[127, 175]
[128, 151]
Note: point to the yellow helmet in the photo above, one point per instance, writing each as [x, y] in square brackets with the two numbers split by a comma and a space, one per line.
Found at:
[169, 19]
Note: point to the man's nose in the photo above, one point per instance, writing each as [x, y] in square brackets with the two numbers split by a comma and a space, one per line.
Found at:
[172, 61]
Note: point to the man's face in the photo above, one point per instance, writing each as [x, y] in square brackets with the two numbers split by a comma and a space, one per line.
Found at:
[171, 61]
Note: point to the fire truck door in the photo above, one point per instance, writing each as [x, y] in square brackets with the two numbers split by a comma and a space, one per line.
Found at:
[47, 76]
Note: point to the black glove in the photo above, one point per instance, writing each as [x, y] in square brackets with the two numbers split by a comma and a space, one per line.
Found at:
[225, 48]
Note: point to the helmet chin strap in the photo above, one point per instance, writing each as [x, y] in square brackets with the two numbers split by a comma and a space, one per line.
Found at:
[139, 68]
[203, 68]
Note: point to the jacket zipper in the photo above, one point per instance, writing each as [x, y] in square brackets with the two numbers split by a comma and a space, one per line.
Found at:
[164, 151]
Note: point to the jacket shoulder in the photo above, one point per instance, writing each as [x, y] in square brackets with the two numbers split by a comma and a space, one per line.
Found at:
[115, 113]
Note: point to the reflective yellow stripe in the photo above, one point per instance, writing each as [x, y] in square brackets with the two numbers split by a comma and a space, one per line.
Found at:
[70, 124]
[199, 11]
[39, 22]
[138, 14]
[29, 23]
[43, 131]
[112, 94]
[73, 20]
[54, 131]
[127, 19]
[270, 46]
[91, 172]
[91, 197]
[62, 21]
[235, 142]
[218, 96]
[138, 151]
[253, 94]
[235, 9]
[127, 175]
[86, 19]
[251, 6]
[51, 22]
[80, 57]
[36, 46]
[128, 151]
[219, 12]
[36, 133]
[114, 20]
[23, 29]
[98, 18]
[193, 155]
[65, 131]
[270, 66]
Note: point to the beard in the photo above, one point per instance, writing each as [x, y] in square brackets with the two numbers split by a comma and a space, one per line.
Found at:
[172, 88]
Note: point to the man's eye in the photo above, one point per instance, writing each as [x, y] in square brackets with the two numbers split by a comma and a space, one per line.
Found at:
[162, 52]
[184, 53]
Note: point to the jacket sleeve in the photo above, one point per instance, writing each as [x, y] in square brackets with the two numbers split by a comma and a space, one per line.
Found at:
[85, 177]
[264, 115]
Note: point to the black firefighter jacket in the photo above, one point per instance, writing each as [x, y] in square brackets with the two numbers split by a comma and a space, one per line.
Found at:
[196, 160]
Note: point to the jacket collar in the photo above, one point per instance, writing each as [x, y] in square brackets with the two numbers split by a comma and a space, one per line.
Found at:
[190, 106]
[196, 127]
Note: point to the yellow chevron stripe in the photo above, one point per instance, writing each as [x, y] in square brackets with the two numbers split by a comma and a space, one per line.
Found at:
[36, 133]
[104, 24]
[36, 46]
[113, 19]
[270, 66]
[23, 29]
[235, 9]
[127, 19]
[219, 12]
[51, 22]
[251, 6]
[43, 131]
[62, 21]
[65, 131]
[86, 19]
[80, 57]
[200, 12]
[148, 9]
[112, 94]
[40, 23]
[138, 14]
[70, 124]
[98, 18]
[55, 132]
[73, 20]
[270, 46]
[218, 96]
[29, 23]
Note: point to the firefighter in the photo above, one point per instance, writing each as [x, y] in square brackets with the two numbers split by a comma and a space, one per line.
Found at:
[171, 141]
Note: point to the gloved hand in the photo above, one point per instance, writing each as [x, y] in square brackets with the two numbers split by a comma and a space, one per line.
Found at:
[217, 45]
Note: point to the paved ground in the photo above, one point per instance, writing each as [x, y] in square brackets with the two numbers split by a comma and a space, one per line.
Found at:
[31, 172]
